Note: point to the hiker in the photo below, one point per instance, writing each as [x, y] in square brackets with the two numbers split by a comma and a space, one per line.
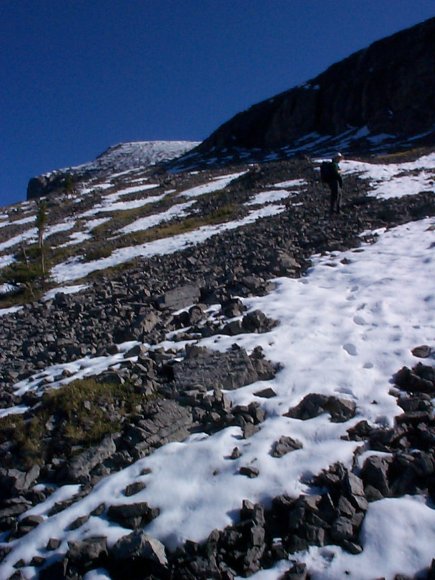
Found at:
[330, 174]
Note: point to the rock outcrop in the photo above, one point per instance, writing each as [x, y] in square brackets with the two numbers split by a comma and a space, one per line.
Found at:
[387, 89]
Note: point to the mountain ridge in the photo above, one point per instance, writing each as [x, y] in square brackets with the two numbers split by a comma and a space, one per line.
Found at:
[117, 158]
[378, 99]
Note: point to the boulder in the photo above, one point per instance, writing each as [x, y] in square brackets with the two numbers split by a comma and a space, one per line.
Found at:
[229, 370]
[177, 298]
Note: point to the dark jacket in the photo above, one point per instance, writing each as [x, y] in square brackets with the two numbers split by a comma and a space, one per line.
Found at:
[335, 174]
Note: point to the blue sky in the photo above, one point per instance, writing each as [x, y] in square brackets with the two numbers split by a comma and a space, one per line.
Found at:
[78, 76]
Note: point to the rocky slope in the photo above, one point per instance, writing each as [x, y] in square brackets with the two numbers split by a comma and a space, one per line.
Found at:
[146, 394]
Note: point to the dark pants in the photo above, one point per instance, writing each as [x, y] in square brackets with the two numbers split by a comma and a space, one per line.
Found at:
[335, 199]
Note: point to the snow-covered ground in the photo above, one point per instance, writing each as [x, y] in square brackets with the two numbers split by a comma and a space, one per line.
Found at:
[396, 179]
[345, 328]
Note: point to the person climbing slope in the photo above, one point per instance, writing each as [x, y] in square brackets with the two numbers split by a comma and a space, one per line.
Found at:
[331, 176]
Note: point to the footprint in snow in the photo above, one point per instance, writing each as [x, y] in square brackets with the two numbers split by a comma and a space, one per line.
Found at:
[350, 348]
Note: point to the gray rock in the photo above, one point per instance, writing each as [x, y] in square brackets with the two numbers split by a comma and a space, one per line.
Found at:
[13, 481]
[342, 529]
[285, 445]
[229, 370]
[139, 546]
[79, 468]
[180, 297]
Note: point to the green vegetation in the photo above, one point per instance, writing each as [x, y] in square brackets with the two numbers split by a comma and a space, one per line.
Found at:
[79, 414]
[41, 223]
[69, 184]
[26, 273]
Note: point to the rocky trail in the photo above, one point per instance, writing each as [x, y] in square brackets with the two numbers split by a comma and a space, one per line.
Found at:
[144, 321]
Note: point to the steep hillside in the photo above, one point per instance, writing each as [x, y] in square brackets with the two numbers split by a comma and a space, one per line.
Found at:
[215, 377]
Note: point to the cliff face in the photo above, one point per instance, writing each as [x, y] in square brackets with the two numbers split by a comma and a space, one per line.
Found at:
[388, 88]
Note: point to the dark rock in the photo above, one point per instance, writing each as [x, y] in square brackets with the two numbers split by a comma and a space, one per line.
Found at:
[313, 405]
[55, 571]
[78, 523]
[132, 515]
[53, 544]
[342, 529]
[4, 551]
[249, 471]
[267, 393]
[360, 432]
[258, 322]
[88, 553]
[285, 445]
[421, 379]
[298, 571]
[384, 77]
[233, 308]
[235, 454]
[134, 488]
[354, 489]
[374, 473]
[423, 351]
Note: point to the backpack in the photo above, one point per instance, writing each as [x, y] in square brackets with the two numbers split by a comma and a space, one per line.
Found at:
[327, 172]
